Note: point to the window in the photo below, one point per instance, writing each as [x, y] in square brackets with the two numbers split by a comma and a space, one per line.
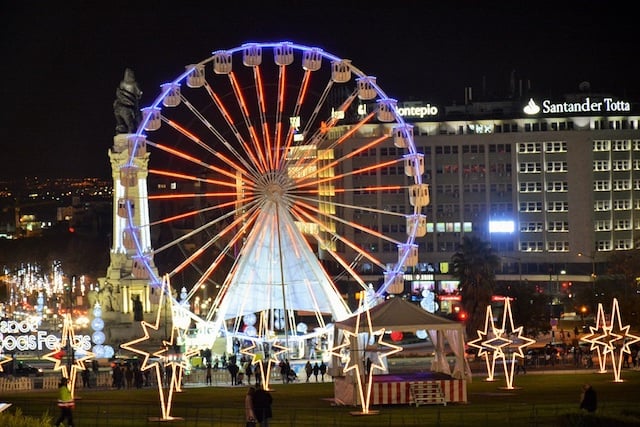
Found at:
[621, 165]
[529, 147]
[558, 226]
[555, 147]
[556, 166]
[558, 246]
[621, 185]
[602, 185]
[623, 224]
[557, 206]
[623, 244]
[602, 205]
[530, 206]
[620, 145]
[602, 225]
[557, 186]
[530, 167]
[622, 205]
[601, 165]
[530, 187]
[531, 246]
[603, 245]
[530, 227]
[601, 145]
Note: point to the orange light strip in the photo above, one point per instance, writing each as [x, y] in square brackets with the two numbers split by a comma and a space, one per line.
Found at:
[261, 164]
[192, 213]
[282, 78]
[205, 246]
[193, 178]
[349, 223]
[346, 136]
[354, 172]
[301, 96]
[263, 117]
[198, 141]
[225, 114]
[349, 243]
[195, 160]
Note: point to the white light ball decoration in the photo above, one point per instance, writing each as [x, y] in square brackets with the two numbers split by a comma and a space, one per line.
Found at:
[421, 333]
[278, 323]
[97, 311]
[98, 338]
[302, 327]
[249, 319]
[97, 324]
[108, 351]
[251, 331]
[98, 351]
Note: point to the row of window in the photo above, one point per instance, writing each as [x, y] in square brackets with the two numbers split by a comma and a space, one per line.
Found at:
[536, 147]
[562, 246]
[522, 148]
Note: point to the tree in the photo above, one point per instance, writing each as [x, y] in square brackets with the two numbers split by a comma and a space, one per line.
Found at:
[530, 308]
[474, 265]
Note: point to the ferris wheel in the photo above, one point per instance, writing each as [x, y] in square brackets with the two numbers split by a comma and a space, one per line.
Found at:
[277, 174]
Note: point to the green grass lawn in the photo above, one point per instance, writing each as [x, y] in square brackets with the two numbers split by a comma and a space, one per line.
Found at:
[538, 400]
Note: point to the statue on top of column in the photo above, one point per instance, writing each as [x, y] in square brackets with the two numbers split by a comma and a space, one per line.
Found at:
[126, 107]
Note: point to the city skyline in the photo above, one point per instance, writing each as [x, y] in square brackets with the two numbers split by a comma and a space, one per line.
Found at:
[63, 61]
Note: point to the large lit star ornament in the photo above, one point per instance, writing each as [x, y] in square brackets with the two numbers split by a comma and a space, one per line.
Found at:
[517, 342]
[485, 336]
[166, 354]
[377, 350]
[258, 357]
[177, 359]
[78, 354]
[619, 341]
[594, 338]
[3, 357]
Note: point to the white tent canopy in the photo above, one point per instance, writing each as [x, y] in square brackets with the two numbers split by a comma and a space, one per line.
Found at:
[397, 314]
[277, 269]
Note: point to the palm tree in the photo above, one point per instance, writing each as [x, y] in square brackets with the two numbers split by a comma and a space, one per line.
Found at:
[474, 264]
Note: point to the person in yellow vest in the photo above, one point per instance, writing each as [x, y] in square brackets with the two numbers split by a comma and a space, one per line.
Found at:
[66, 404]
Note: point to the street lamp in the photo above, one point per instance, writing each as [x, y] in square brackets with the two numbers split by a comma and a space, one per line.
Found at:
[593, 269]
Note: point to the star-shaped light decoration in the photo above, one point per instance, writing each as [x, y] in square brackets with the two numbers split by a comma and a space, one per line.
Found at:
[517, 343]
[618, 342]
[486, 336]
[4, 359]
[593, 338]
[371, 347]
[78, 354]
[166, 354]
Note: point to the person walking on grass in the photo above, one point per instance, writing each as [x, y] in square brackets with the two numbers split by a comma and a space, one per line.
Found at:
[249, 405]
[65, 403]
[308, 369]
[262, 402]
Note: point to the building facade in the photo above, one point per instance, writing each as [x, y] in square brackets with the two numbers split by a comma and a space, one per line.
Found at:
[553, 184]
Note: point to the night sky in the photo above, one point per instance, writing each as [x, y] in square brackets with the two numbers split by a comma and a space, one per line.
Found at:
[62, 60]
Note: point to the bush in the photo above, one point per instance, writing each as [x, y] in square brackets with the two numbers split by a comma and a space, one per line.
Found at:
[584, 419]
[16, 419]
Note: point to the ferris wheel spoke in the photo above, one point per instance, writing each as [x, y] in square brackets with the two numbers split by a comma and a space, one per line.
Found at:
[215, 132]
[223, 252]
[260, 160]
